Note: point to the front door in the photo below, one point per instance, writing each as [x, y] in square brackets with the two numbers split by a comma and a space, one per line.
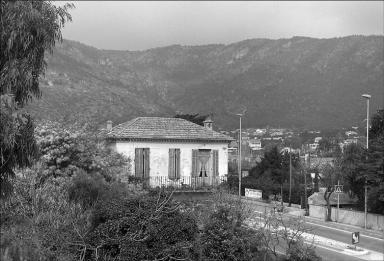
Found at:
[204, 167]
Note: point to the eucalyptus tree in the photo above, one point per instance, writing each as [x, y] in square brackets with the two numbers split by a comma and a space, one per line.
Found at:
[28, 30]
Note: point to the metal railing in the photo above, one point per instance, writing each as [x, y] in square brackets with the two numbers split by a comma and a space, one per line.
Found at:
[182, 183]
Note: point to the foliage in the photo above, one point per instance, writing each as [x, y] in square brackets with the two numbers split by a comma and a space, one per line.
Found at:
[329, 147]
[294, 142]
[65, 150]
[28, 30]
[223, 238]
[299, 251]
[277, 231]
[330, 176]
[140, 228]
[38, 222]
[272, 172]
[271, 164]
[17, 143]
[360, 166]
[87, 189]
[195, 118]
[351, 160]
[376, 129]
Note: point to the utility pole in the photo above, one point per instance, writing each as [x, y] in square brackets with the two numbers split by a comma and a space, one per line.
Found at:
[290, 176]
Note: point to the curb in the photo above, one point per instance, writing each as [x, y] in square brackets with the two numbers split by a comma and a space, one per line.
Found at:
[358, 252]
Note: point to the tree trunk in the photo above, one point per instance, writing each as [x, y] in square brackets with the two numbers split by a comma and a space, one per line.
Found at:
[329, 212]
[327, 195]
[316, 188]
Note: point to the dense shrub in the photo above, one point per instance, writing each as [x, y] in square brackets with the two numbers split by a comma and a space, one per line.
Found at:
[223, 238]
[86, 189]
[140, 228]
[301, 252]
[66, 150]
[38, 222]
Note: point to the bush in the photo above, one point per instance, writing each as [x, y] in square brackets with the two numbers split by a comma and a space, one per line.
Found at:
[300, 252]
[87, 189]
[38, 222]
[223, 238]
[376, 199]
[66, 150]
[140, 228]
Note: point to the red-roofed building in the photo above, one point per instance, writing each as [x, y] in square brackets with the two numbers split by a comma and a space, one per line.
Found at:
[172, 151]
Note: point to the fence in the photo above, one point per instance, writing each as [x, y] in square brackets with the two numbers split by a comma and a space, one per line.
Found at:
[183, 183]
[351, 217]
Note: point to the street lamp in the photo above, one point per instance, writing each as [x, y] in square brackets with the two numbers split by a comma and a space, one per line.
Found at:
[368, 97]
[290, 176]
[239, 164]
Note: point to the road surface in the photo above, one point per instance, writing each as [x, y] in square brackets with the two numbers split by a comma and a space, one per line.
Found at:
[341, 235]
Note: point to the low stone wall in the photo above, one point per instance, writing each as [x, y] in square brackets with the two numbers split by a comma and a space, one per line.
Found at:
[351, 217]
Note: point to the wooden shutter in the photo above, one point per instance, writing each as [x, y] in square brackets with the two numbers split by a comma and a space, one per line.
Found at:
[215, 163]
[177, 163]
[171, 164]
[146, 163]
[194, 163]
[174, 164]
[139, 162]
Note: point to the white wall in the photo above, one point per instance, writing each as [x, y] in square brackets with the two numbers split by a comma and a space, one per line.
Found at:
[346, 216]
[158, 155]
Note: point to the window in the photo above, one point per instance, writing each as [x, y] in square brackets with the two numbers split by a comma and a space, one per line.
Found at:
[174, 164]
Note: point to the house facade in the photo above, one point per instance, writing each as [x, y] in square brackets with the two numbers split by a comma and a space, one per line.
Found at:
[172, 151]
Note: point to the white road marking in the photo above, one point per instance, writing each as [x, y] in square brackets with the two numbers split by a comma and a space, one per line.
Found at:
[339, 247]
[338, 229]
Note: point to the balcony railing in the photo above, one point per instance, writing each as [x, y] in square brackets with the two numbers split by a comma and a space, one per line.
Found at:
[183, 183]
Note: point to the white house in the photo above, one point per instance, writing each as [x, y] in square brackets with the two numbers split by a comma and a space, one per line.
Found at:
[172, 151]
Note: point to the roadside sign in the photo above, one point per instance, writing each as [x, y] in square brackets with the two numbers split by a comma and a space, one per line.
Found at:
[338, 189]
[253, 193]
[355, 237]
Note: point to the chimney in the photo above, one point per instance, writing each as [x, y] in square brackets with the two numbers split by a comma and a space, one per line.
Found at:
[109, 125]
[208, 122]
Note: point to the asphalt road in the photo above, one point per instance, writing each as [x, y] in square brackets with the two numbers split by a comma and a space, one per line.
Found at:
[343, 235]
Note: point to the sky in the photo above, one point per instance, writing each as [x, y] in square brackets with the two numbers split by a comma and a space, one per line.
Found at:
[140, 25]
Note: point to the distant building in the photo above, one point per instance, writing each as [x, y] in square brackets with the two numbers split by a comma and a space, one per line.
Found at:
[348, 142]
[288, 149]
[255, 144]
[351, 133]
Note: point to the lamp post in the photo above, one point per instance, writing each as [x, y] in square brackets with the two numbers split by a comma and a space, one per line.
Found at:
[239, 165]
[290, 176]
[368, 97]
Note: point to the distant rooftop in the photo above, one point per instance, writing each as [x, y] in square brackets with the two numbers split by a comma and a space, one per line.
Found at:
[158, 128]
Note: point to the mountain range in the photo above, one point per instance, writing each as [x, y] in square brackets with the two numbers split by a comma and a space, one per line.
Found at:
[299, 82]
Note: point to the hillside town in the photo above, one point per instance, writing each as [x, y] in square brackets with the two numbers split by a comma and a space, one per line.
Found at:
[256, 140]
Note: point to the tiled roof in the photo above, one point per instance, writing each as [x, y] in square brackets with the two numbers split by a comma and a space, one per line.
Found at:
[164, 129]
